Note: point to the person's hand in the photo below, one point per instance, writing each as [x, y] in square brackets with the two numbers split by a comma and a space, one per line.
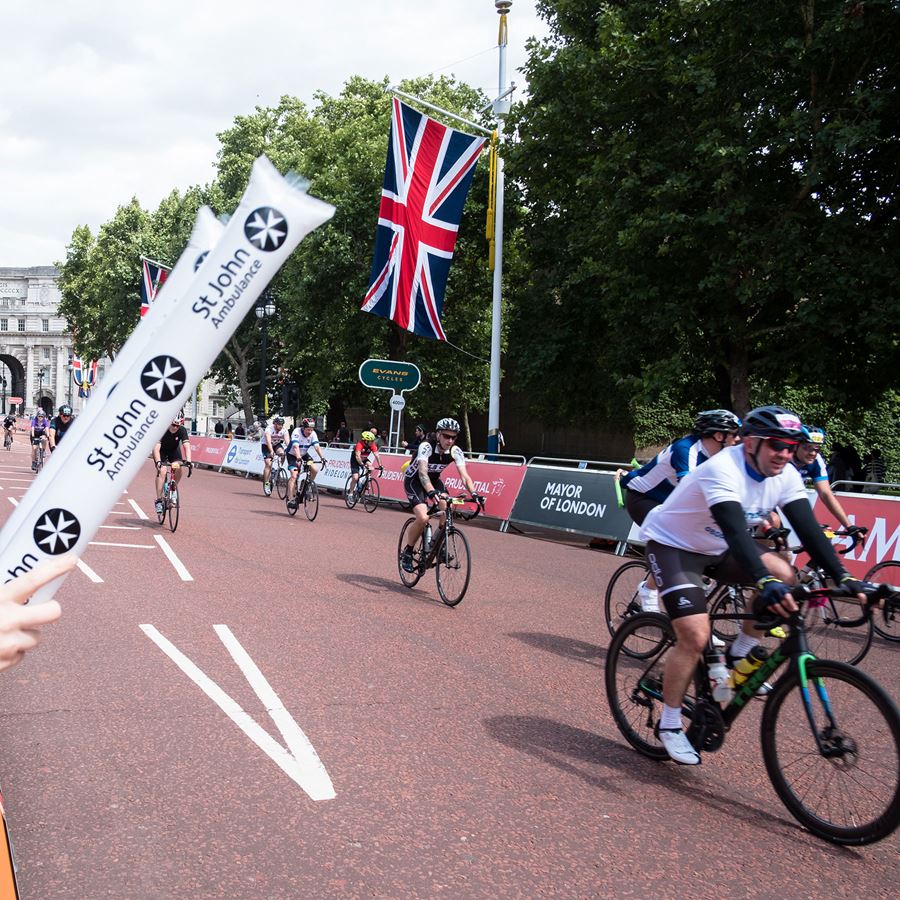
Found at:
[20, 625]
[775, 597]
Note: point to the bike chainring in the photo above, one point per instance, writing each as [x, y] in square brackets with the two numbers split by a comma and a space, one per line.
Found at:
[707, 728]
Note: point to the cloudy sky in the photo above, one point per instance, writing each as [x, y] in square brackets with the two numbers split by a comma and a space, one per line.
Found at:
[103, 100]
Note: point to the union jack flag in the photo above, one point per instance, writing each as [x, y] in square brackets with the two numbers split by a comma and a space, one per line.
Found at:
[154, 278]
[428, 173]
[84, 374]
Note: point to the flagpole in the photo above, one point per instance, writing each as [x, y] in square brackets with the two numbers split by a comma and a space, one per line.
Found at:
[501, 110]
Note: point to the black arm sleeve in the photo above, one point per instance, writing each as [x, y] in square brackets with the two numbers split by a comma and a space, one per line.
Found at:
[730, 518]
[799, 514]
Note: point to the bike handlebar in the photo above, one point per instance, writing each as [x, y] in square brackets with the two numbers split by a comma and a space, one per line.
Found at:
[874, 593]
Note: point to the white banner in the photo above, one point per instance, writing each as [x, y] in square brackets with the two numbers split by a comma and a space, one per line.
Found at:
[244, 456]
[335, 473]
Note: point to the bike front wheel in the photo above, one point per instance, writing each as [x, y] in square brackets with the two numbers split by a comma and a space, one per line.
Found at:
[350, 495]
[454, 567]
[621, 600]
[174, 505]
[281, 482]
[889, 573]
[410, 579]
[371, 496]
[848, 790]
[311, 501]
[829, 639]
[635, 662]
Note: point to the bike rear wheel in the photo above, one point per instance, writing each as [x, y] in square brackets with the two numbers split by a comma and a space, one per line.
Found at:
[454, 567]
[634, 674]
[350, 495]
[280, 479]
[621, 601]
[850, 794]
[311, 501]
[410, 579]
[371, 496]
[889, 573]
[174, 505]
[828, 639]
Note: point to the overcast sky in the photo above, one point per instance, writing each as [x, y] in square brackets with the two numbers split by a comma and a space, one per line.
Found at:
[101, 101]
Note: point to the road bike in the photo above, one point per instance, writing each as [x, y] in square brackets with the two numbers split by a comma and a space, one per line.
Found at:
[171, 496]
[7, 440]
[443, 547]
[39, 456]
[278, 476]
[367, 489]
[830, 733]
[889, 626]
[307, 494]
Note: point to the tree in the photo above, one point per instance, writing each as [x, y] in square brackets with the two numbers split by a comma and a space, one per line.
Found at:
[712, 191]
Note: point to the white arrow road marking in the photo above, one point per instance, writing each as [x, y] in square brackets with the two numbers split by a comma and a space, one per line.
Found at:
[299, 761]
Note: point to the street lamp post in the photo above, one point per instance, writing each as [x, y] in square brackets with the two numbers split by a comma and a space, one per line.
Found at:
[3, 382]
[265, 309]
[71, 379]
[41, 373]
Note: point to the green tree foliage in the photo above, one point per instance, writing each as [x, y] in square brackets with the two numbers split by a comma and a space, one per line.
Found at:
[712, 192]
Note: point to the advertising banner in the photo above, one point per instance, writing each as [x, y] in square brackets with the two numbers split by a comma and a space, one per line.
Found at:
[334, 475]
[208, 451]
[242, 456]
[574, 500]
[498, 482]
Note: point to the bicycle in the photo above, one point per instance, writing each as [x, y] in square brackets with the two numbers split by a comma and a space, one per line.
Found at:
[367, 488]
[447, 552]
[889, 628]
[39, 456]
[279, 476]
[825, 725]
[171, 499]
[7, 439]
[307, 494]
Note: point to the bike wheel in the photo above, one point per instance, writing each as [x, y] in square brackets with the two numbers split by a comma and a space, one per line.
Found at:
[311, 501]
[889, 573]
[727, 600]
[174, 505]
[292, 508]
[410, 579]
[454, 567]
[829, 639]
[350, 495]
[281, 482]
[161, 515]
[371, 496]
[850, 794]
[621, 601]
[635, 662]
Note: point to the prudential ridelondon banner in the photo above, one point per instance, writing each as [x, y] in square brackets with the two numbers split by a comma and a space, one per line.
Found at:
[273, 217]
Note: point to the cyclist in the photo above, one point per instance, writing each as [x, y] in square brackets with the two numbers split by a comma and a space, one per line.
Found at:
[365, 447]
[274, 438]
[60, 425]
[809, 462]
[303, 440]
[39, 425]
[651, 484]
[168, 451]
[422, 481]
[703, 529]
[9, 427]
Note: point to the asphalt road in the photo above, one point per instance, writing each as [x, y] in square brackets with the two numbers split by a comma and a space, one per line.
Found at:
[470, 751]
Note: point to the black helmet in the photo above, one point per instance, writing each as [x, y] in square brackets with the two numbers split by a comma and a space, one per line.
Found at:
[65, 410]
[773, 422]
[712, 420]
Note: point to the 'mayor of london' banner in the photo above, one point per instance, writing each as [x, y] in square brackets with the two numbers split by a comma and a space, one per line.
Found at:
[571, 500]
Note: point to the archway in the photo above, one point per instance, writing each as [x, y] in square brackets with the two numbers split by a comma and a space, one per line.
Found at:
[12, 381]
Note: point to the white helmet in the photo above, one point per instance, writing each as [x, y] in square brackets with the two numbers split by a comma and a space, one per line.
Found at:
[448, 424]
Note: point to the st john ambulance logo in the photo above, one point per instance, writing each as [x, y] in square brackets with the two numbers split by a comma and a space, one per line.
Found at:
[266, 228]
[163, 378]
[57, 531]
[199, 260]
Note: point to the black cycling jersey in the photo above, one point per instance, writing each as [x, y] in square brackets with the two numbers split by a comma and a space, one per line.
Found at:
[170, 443]
[60, 428]
[8, 422]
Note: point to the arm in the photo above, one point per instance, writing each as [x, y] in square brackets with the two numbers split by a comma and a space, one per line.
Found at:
[467, 479]
[156, 452]
[729, 517]
[799, 514]
[832, 504]
[422, 465]
[187, 451]
[51, 437]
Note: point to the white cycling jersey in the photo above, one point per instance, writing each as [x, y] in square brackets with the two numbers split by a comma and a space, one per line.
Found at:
[436, 460]
[300, 442]
[684, 520]
[276, 437]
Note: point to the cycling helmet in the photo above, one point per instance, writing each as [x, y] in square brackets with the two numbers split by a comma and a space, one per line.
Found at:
[712, 420]
[448, 424]
[367, 436]
[177, 420]
[65, 410]
[308, 423]
[773, 422]
[814, 435]
[278, 420]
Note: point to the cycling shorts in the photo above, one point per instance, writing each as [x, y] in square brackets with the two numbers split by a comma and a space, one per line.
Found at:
[38, 439]
[638, 505]
[415, 490]
[174, 457]
[294, 463]
[679, 576]
[355, 466]
[267, 454]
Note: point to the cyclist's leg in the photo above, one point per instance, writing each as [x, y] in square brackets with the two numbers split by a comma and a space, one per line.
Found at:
[267, 463]
[313, 469]
[354, 471]
[637, 505]
[293, 469]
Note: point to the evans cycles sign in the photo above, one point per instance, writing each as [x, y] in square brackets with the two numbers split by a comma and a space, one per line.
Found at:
[389, 375]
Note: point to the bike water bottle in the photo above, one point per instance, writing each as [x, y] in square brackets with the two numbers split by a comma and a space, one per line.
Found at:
[745, 667]
[428, 539]
[718, 677]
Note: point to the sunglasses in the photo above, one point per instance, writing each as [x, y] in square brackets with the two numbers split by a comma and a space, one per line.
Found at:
[448, 435]
[778, 445]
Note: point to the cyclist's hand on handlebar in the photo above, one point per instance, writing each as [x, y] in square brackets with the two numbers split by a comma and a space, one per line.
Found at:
[850, 586]
[774, 597]
[480, 499]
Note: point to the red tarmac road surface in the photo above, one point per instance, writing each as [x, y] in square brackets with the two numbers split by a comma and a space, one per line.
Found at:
[471, 749]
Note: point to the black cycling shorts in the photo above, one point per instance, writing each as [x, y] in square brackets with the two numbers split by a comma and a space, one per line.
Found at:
[267, 454]
[638, 505]
[679, 576]
[415, 490]
[355, 466]
[171, 458]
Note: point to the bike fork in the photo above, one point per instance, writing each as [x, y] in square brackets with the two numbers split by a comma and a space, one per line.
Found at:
[822, 694]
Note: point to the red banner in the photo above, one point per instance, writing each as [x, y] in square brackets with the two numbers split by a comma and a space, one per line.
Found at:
[208, 451]
[881, 515]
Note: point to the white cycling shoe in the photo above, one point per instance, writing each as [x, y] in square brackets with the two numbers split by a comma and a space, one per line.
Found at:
[678, 747]
[648, 597]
